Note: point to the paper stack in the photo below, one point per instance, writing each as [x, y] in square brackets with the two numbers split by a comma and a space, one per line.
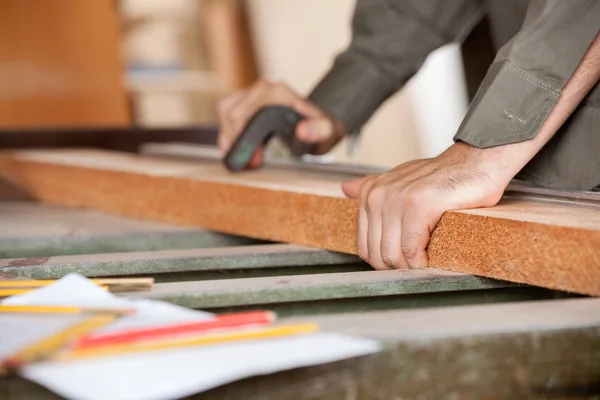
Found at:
[166, 371]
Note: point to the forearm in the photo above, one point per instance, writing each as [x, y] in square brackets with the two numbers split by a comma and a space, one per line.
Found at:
[390, 41]
[509, 159]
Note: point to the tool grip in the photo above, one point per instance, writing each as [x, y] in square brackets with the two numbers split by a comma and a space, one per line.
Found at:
[267, 122]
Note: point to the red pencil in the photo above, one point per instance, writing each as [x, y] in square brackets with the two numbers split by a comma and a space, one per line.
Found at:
[255, 318]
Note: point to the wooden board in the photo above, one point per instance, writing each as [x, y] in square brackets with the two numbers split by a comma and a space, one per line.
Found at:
[60, 64]
[553, 245]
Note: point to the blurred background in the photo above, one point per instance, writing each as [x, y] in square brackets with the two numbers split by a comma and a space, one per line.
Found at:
[157, 63]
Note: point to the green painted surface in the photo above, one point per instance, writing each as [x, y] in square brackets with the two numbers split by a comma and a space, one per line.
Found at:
[399, 302]
[95, 244]
[550, 365]
[258, 272]
[258, 257]
[289, 289]
[555, 365]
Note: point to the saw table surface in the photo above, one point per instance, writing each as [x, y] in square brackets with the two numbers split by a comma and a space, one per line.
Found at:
[446, 335]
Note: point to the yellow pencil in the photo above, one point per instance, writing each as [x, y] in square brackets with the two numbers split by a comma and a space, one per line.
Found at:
[103, 282]
[43, 309]
[14, 292]
[115, 350]
[46, 347]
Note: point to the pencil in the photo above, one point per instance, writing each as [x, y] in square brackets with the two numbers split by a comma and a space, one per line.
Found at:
[124, 349]
[14, 292]
[125, 283]
[46, 347]
[45, 309]
[256, 318]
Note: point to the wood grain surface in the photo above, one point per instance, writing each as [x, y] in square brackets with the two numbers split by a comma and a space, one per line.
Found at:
[60, 65]
[553, 245]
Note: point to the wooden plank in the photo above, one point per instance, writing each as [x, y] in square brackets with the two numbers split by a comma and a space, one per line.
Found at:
[552, 245]
[35, 230]
[287, 289]
[542, 350]
[171, 261]
[60, 63]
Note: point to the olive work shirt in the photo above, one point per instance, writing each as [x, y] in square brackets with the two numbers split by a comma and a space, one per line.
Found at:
[541, 43]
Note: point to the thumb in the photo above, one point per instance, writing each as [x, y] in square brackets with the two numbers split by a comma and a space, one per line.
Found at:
[315, 130]
[352, 188]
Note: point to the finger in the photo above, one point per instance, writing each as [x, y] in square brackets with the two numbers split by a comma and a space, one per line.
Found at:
[306, 109]
[415, 237]
[391, 239]
[247, 107]
[315, 130]
[375, 200]
[363, 221]
[361, 234]
[352, 188]
[224, 108]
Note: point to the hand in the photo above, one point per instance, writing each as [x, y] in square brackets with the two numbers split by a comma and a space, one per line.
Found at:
[399, 209]
[236, 110]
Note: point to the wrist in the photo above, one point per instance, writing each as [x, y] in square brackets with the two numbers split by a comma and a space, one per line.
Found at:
[500, 163]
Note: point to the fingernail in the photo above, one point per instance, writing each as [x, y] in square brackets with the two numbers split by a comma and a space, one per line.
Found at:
[310, 131]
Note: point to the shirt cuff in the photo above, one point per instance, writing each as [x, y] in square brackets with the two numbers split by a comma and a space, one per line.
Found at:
[510, 106]
[352, 91]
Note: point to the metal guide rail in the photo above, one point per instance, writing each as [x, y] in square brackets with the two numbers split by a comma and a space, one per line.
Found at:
[443, 332]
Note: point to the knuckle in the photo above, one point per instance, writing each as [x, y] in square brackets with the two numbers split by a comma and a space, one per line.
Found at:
[362, 253]
[365, 188]
[388, 260]
[377, 196]
[414, 197]
[380, 265]
[409, 251]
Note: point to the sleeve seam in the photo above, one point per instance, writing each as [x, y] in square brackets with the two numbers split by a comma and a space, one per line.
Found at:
[534, 80]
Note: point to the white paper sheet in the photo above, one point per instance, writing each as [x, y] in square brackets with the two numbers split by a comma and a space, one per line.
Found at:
[175, 374]
[77, 290]
[171, 374]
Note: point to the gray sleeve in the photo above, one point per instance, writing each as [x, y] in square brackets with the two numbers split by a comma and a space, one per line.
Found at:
[390, 41]
[528, 74]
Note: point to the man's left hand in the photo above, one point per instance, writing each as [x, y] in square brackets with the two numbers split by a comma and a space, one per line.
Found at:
[399, 209]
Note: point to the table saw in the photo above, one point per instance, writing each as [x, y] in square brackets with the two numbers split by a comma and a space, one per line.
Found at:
[446, 335]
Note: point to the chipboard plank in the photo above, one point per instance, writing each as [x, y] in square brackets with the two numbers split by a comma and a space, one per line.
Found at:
[552, 245]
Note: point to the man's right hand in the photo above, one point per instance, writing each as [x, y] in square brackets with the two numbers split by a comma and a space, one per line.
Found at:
[237, 109]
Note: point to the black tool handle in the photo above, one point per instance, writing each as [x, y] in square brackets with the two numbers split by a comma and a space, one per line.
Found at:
[268, 121]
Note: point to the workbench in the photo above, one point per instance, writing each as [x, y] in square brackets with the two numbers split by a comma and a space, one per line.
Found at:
[447, 335]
